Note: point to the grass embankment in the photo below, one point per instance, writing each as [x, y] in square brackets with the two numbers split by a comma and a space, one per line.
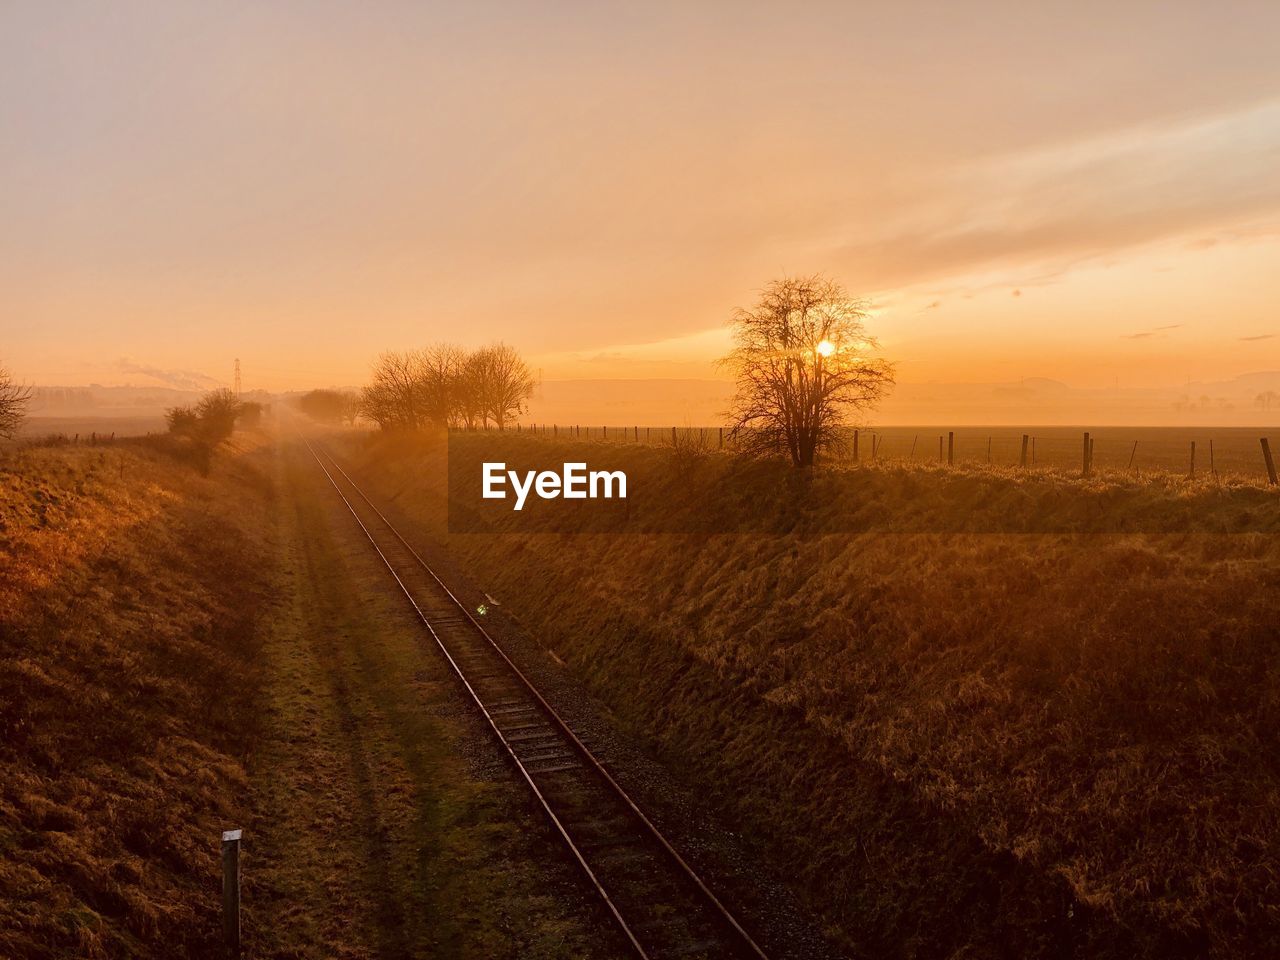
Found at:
[181, 654]
[958, 743]
[129, 594]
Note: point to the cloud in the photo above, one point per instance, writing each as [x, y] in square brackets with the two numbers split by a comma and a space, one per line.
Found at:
[178, 379]
[1082, 200]
[1261, 336]
[1153, 332]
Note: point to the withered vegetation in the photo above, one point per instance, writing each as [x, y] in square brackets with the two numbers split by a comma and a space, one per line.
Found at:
[129, 601]
[958, 743]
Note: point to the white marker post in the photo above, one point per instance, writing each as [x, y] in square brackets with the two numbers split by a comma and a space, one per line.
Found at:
[231, 891]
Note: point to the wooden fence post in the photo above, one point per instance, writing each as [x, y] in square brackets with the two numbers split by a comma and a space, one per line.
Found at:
[1213, 467]
[1022, 460]
[673, 436]
[855, 446]
[1271, 464]
[637, 430]
[1191, 472]
[1087, 461]
[914, 441]
[988, 450]
[231, 891]
[1133, 453]
[940, 439]
[722, 438]
[951, 448]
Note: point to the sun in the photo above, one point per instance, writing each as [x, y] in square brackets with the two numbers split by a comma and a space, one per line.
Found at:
[826, 348]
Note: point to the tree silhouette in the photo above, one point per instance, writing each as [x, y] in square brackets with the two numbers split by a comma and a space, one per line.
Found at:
[802, 365]
[14, 398]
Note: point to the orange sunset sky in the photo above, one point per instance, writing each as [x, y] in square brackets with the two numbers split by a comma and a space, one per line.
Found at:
[1088, 192]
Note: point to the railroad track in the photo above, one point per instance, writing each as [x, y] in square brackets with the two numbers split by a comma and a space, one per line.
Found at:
[662, 907]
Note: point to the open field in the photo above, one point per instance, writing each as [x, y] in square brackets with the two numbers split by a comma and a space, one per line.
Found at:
[85, 427]
[1039, 744]
[1235, 451]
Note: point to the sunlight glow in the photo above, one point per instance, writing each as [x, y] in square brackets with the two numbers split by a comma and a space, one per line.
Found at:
[826, 348]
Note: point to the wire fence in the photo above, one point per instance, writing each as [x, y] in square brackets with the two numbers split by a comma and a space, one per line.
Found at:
[1236, 452]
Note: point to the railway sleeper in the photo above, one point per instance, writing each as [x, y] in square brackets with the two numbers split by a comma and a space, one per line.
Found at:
[533, 735]
[540, 725]
[709, 947]
[557, 768]
[508, 702]
[547, 753]
[510, 711]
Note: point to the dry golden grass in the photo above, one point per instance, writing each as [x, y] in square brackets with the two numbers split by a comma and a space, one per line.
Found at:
[961, 743]
[128, 600]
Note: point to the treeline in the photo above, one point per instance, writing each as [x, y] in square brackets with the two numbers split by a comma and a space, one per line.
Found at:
[207, 424]
[438, 386]
[330, 406]
[447, 386]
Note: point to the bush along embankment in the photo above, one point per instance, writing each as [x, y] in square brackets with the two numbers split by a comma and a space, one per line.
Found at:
[129, 606]
[959, 743]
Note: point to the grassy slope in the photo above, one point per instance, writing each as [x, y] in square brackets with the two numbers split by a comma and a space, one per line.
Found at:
[180, 654]
[962, 744]
[127, 605]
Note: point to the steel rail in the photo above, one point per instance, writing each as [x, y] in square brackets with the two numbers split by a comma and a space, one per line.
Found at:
[594, 763]
[528, 778]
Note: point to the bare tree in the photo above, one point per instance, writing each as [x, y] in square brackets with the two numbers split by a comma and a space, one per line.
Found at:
[14, 398]
[250, 413]
[503, 384]
[350, 409]
[438, 370]
[327, 406]
[183, 421]
[393, 399]
[445, 386]
[802, 365]
[205, 426]
[217, 411]
[470, 392]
